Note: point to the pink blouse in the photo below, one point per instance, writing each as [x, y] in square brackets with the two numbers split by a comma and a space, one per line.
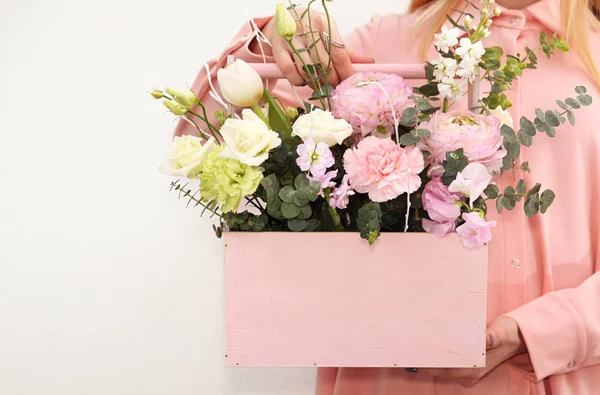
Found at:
[542, 269]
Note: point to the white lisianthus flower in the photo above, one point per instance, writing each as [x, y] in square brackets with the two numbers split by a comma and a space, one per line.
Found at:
[444, 67]
[504, 116]
[452, 89]
[446, 39]
[471, 182]
[240, 84]
[469, 51]
[248, 140]
[321, 126]
[186, 156]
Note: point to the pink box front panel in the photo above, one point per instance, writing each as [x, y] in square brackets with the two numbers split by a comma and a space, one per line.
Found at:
[330, 299]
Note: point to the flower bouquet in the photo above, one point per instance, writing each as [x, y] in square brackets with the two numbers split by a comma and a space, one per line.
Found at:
[374, 156]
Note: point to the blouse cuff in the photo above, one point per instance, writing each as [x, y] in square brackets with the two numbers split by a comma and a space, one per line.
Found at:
[554, 334]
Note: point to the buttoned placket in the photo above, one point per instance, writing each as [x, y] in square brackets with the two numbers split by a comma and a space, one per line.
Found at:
[514, 223]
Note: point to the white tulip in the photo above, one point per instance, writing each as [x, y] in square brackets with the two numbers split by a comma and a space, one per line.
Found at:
[248, 140]
[321, 126]
[504, 116]
[187, 154]
[240, 84]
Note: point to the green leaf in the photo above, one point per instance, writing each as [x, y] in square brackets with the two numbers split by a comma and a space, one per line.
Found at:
[571, 117]
[455, 162]
[429, 71]
[540, 114]
[525, 167]
[509, 192]
[552, 119]
[277, 119]
[312, 69]
[527, 126]
[511, 144]
[492, 191]
[573, 103]
[456, 25]
[540, 125]
[532, 205]
[582, 90]
[274, 209]
[297, 225]
[585, 100]
[409, 139]
[507, 163]
[271, 186]
[302, 202]
[287, 193]
[423, 133]
[521, 189]
[306, 212]
[499, 205]
[430, 89]
[369, 221]
[563, 105]
[536, 189]
[550, 131]
[524, 138]
[290, 210]
[546, 200]
[423, 104]
[509, 203]
[301, 181]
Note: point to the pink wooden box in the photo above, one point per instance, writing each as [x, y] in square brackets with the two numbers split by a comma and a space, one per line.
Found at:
[336, 301]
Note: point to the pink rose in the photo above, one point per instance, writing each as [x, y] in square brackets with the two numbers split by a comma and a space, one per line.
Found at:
[383, 169]
[366, 101]
[439, 202]
[439, 229]
[479, 136]
[471, 182]
[475, 232]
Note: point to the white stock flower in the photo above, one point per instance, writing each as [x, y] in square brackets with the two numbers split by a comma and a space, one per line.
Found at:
[444, 67]
[240, 84]
[446, 39]
[469, 70]
[248, 140]
[504, 116]
[186, 156]
[321, 126]
[469, 51]
[452, 89]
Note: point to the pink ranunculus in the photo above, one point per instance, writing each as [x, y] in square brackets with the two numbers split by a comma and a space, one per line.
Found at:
[479, 136]
[439, 229]
[441, 204]
[383, 169]
[475, 232]
[366, 101]
[471, 182]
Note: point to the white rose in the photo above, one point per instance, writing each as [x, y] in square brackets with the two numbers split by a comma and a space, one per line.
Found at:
[248, 140]
[240, 84]
[321, 126]
[504, 116]
[187, 154]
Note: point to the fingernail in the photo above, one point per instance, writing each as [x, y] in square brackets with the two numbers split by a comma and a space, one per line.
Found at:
[492, 341]
[412, 370]
[372, 60]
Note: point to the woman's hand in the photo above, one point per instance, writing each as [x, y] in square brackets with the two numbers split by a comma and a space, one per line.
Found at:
[292, 65]
[504, 341]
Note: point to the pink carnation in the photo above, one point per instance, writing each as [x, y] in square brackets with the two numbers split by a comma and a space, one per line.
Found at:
[475, 232]
[383, 169]
[363, 100]
[479, 136]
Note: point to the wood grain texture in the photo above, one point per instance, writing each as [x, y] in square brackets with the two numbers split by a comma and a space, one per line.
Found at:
[330, 299]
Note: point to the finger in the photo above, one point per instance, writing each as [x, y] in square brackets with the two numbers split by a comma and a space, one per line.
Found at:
[303, 58]
[288, 68]
[355, 58]
[333, 78]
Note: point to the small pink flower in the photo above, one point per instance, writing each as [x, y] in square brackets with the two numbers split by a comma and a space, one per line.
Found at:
[475, 232]
[325, 179]
[316, 158]
[479, 136]
[472, 181]
[366, 100]
[383, 169]
[440, 203]
[340, 197]
[439, 229]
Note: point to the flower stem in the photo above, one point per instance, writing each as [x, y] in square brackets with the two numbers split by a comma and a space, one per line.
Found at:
[333, 212]
[314, 83]
[446, 105]
[258, 111]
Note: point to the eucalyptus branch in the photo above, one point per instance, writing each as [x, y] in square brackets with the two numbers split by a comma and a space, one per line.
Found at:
[187, 193]
[316, 86]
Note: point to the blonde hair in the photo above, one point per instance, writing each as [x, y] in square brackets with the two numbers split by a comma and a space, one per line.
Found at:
[584, 12]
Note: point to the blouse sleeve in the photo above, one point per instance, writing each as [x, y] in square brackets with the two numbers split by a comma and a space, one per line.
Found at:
[358, 40]
[562, 329]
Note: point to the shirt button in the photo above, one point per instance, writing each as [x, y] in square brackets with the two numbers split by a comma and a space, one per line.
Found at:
[571, 364]
[515, 263]
[515, 20]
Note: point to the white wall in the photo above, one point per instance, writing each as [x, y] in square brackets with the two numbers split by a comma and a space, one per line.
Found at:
[108, 284]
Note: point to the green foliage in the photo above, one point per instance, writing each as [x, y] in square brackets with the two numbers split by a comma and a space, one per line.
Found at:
[247, 222]
[278, 120]
[369, 221]
[455, 162]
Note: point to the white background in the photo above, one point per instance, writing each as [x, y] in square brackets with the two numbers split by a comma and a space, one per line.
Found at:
[108, 284]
